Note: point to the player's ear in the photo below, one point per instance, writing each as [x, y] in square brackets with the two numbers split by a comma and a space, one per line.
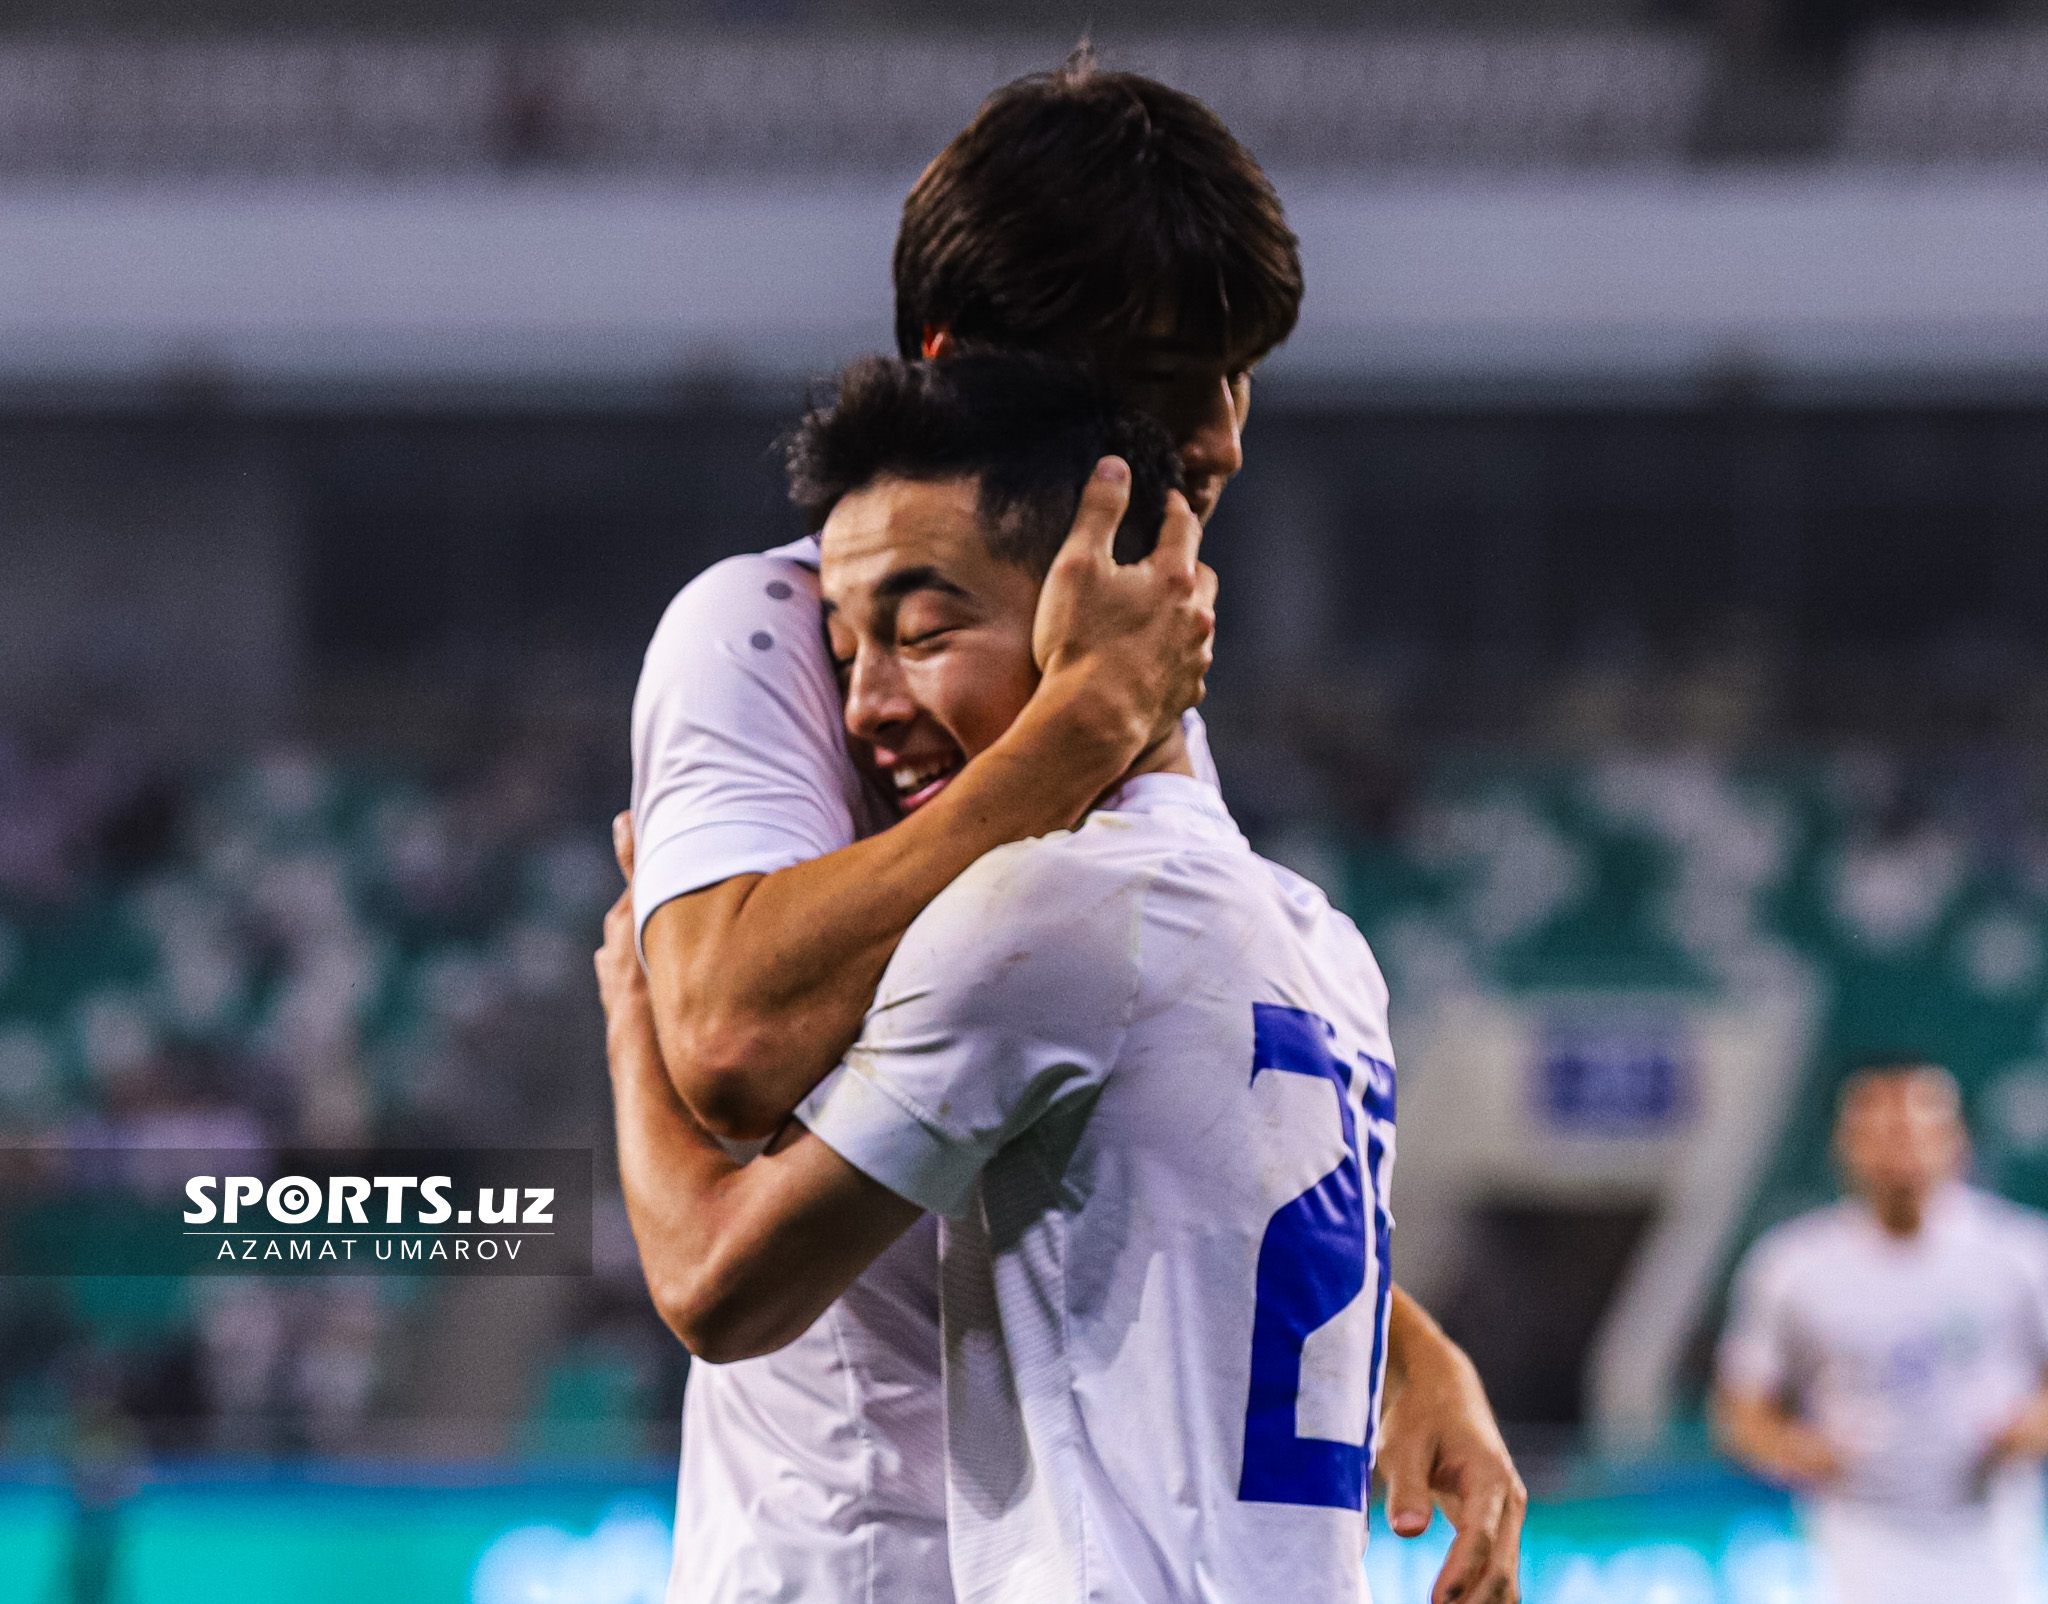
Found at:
[939, 342]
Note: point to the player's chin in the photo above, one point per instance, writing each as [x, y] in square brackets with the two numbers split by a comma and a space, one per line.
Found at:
[1202, 498]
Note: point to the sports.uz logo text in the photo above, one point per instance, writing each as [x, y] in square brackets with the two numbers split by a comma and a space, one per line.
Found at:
[236, 1211]
[295, 1201]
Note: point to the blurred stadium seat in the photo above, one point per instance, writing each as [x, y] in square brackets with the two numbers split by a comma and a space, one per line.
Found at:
[301, 956]
[1951, 97]
[316, 950]
[739, 104]
[729, 103]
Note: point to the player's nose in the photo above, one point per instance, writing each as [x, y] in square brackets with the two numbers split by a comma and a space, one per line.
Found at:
[1212, 450]
[877, 696]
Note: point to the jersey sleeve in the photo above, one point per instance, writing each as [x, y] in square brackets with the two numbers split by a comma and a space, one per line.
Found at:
[1009, 997]
[1755, 1349]
[2028, 1233]
[739, 761]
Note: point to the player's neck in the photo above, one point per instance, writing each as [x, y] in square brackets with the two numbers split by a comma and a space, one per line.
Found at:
[1901, 1214]
[1169, 756]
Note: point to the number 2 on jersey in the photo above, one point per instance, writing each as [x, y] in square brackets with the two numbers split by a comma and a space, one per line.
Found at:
[1312, 1264]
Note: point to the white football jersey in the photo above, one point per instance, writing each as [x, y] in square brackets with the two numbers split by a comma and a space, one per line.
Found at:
[815, 1473]
[739, 749]
[1906, 1355]
[1145, 1078]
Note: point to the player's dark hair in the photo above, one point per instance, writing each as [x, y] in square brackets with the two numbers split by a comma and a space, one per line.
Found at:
[1031, 428]
[1877, 1067]
[1081, 205]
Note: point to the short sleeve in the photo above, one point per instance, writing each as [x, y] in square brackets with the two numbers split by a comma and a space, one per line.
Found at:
[2029, 1239]
[739, 759]
[1008, 998]
[2037, 1312]
[1755, 1349]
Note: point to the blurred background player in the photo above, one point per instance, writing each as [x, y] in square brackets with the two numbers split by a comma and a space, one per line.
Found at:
[1886, 1358]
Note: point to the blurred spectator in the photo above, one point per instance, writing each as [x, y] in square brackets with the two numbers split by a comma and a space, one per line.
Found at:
[289, 1363]
[68, 804]
[295, 948]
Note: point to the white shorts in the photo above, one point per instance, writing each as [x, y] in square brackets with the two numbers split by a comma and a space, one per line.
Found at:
[1874, 1558]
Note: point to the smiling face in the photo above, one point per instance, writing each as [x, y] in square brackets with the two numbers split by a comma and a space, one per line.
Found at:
[930, 633]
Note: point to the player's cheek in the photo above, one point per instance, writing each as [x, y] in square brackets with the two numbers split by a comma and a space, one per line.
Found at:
[974, 693]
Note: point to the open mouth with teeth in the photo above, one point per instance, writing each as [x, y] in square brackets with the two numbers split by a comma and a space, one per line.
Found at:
[916, 781]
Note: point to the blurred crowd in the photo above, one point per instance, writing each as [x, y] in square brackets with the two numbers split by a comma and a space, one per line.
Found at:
[308, 947]
[289, 949]
[302, 949]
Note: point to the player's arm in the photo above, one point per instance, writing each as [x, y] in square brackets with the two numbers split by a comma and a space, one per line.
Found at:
[959, 1055]
[1441, 1446]
[760, 982]
[739, 1259]
[1755, 1427]
[1750, 1410]
[2024, 1437]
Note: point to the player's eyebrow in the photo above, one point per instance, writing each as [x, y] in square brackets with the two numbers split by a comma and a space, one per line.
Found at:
[923, 577]
[893, 588]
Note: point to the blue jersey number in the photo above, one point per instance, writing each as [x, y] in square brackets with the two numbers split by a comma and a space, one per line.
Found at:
[1311, 1267]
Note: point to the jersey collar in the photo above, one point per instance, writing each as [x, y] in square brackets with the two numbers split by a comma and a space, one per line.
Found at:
[803, 551]
[1147, 793]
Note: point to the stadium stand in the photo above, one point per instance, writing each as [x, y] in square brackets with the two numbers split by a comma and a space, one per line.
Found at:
[296, 949]
[324, 951]
[325, 922]
[1962, 97]
[681, 105]
[731, 102]
[1920, 916]
[734, 103]
[1906, 898]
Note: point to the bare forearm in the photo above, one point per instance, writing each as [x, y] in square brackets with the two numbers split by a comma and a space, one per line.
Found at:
[1747, 1428]
[669, 1167]
[1417, 1349]
[739, 1258]
[1441, 1448]
[2027, 1436]
[1771, 1441]
[760, 986]
[1408, 1327]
